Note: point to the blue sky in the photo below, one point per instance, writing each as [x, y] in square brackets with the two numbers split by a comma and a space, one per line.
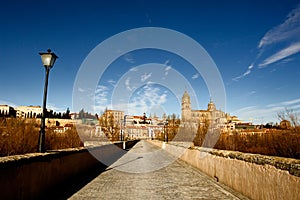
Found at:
[255, 45]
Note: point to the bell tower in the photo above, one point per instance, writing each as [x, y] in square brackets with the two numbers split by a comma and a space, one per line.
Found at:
[211, 106]
[186, 107]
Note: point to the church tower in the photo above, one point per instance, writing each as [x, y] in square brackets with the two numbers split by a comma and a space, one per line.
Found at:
[186, 107]
[211, 106]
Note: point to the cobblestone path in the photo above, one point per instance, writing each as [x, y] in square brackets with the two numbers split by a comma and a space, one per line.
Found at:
[177, 180]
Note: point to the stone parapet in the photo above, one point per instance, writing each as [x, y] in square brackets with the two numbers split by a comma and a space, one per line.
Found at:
[44, 175]
[253, 175]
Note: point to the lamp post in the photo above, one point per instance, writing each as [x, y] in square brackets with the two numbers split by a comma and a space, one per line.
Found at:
[123, 124]
[166, 132]
[48, 60]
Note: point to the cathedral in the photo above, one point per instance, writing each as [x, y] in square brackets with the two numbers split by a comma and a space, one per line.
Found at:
[211, 115]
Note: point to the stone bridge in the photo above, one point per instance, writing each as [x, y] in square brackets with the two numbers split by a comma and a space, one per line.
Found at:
[148, 170]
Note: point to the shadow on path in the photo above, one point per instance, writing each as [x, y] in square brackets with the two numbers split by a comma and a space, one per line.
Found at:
[66, 189]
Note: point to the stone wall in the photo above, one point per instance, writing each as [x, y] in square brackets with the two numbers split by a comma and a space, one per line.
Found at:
[255, 176]
[42, 175]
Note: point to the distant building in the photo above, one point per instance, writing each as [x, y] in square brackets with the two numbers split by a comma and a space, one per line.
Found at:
[136, 120]
[210, 115]
[285, 124]
[6, 110]
[29, 111]
[118, 115]
[244, 126]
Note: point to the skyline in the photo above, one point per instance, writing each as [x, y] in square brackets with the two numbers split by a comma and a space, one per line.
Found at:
[253, 44]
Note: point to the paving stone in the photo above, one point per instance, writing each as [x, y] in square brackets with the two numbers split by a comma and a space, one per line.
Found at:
[173, 179]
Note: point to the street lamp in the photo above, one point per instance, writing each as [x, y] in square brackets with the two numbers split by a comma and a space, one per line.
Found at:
[48, 60]
[166, 132]
[123, 131]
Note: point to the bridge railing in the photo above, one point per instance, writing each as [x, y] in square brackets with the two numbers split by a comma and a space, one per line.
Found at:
[253, 175]
[42, 175]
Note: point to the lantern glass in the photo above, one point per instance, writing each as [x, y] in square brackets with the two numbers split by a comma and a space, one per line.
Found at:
[48, 59]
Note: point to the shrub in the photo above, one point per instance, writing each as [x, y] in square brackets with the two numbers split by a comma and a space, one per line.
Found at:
[283, 143]
[20, 136]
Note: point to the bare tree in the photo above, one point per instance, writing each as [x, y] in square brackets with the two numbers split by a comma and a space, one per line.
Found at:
[110, 127]
[173, 126]
[289, 115]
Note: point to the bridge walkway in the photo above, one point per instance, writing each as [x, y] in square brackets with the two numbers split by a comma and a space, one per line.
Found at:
[147, 172]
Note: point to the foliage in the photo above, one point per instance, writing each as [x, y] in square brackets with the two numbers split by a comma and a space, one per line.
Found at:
[20, 136]
[289, 115]
[109, 126]
[283, 143]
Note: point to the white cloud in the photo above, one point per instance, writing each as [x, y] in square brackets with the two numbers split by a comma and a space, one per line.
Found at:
[145, 76]
[128, 85]
[167, 69]
[80, 89]
[249, 69]
[248, 108]
[290, 28]
[146, 98]
[195, 76]
[167, 62]
[267, 113]
[258, 114]
[128, 58]
[101, 93]
[285, 103]
[134, 69]
[112, 82]
[292, 49]
[285, 32]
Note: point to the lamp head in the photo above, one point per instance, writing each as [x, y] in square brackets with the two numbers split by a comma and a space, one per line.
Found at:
[48, 58]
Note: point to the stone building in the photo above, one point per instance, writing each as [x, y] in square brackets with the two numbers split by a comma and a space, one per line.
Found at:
[29, 111]
[210, 115]
[6, 110]
[285, 124]
[118, 115]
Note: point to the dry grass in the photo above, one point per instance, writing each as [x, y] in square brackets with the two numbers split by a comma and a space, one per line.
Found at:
[20, 136]
[283, 143]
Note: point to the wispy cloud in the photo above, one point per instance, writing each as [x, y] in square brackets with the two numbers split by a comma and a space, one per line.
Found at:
[145, 76]
[288, 31]
[128, 57]
[112, 82]
[249, 69]
[128, 85]
[134, 69]
[168, 67]
[246, 109]
[146, 98]
[195, 76]
[101, 93]
[290, 28]
[80, 89]
[257, 114]
[268, 112]
[290, 50]
[283, 34]
[167, 62]
[289, 103]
